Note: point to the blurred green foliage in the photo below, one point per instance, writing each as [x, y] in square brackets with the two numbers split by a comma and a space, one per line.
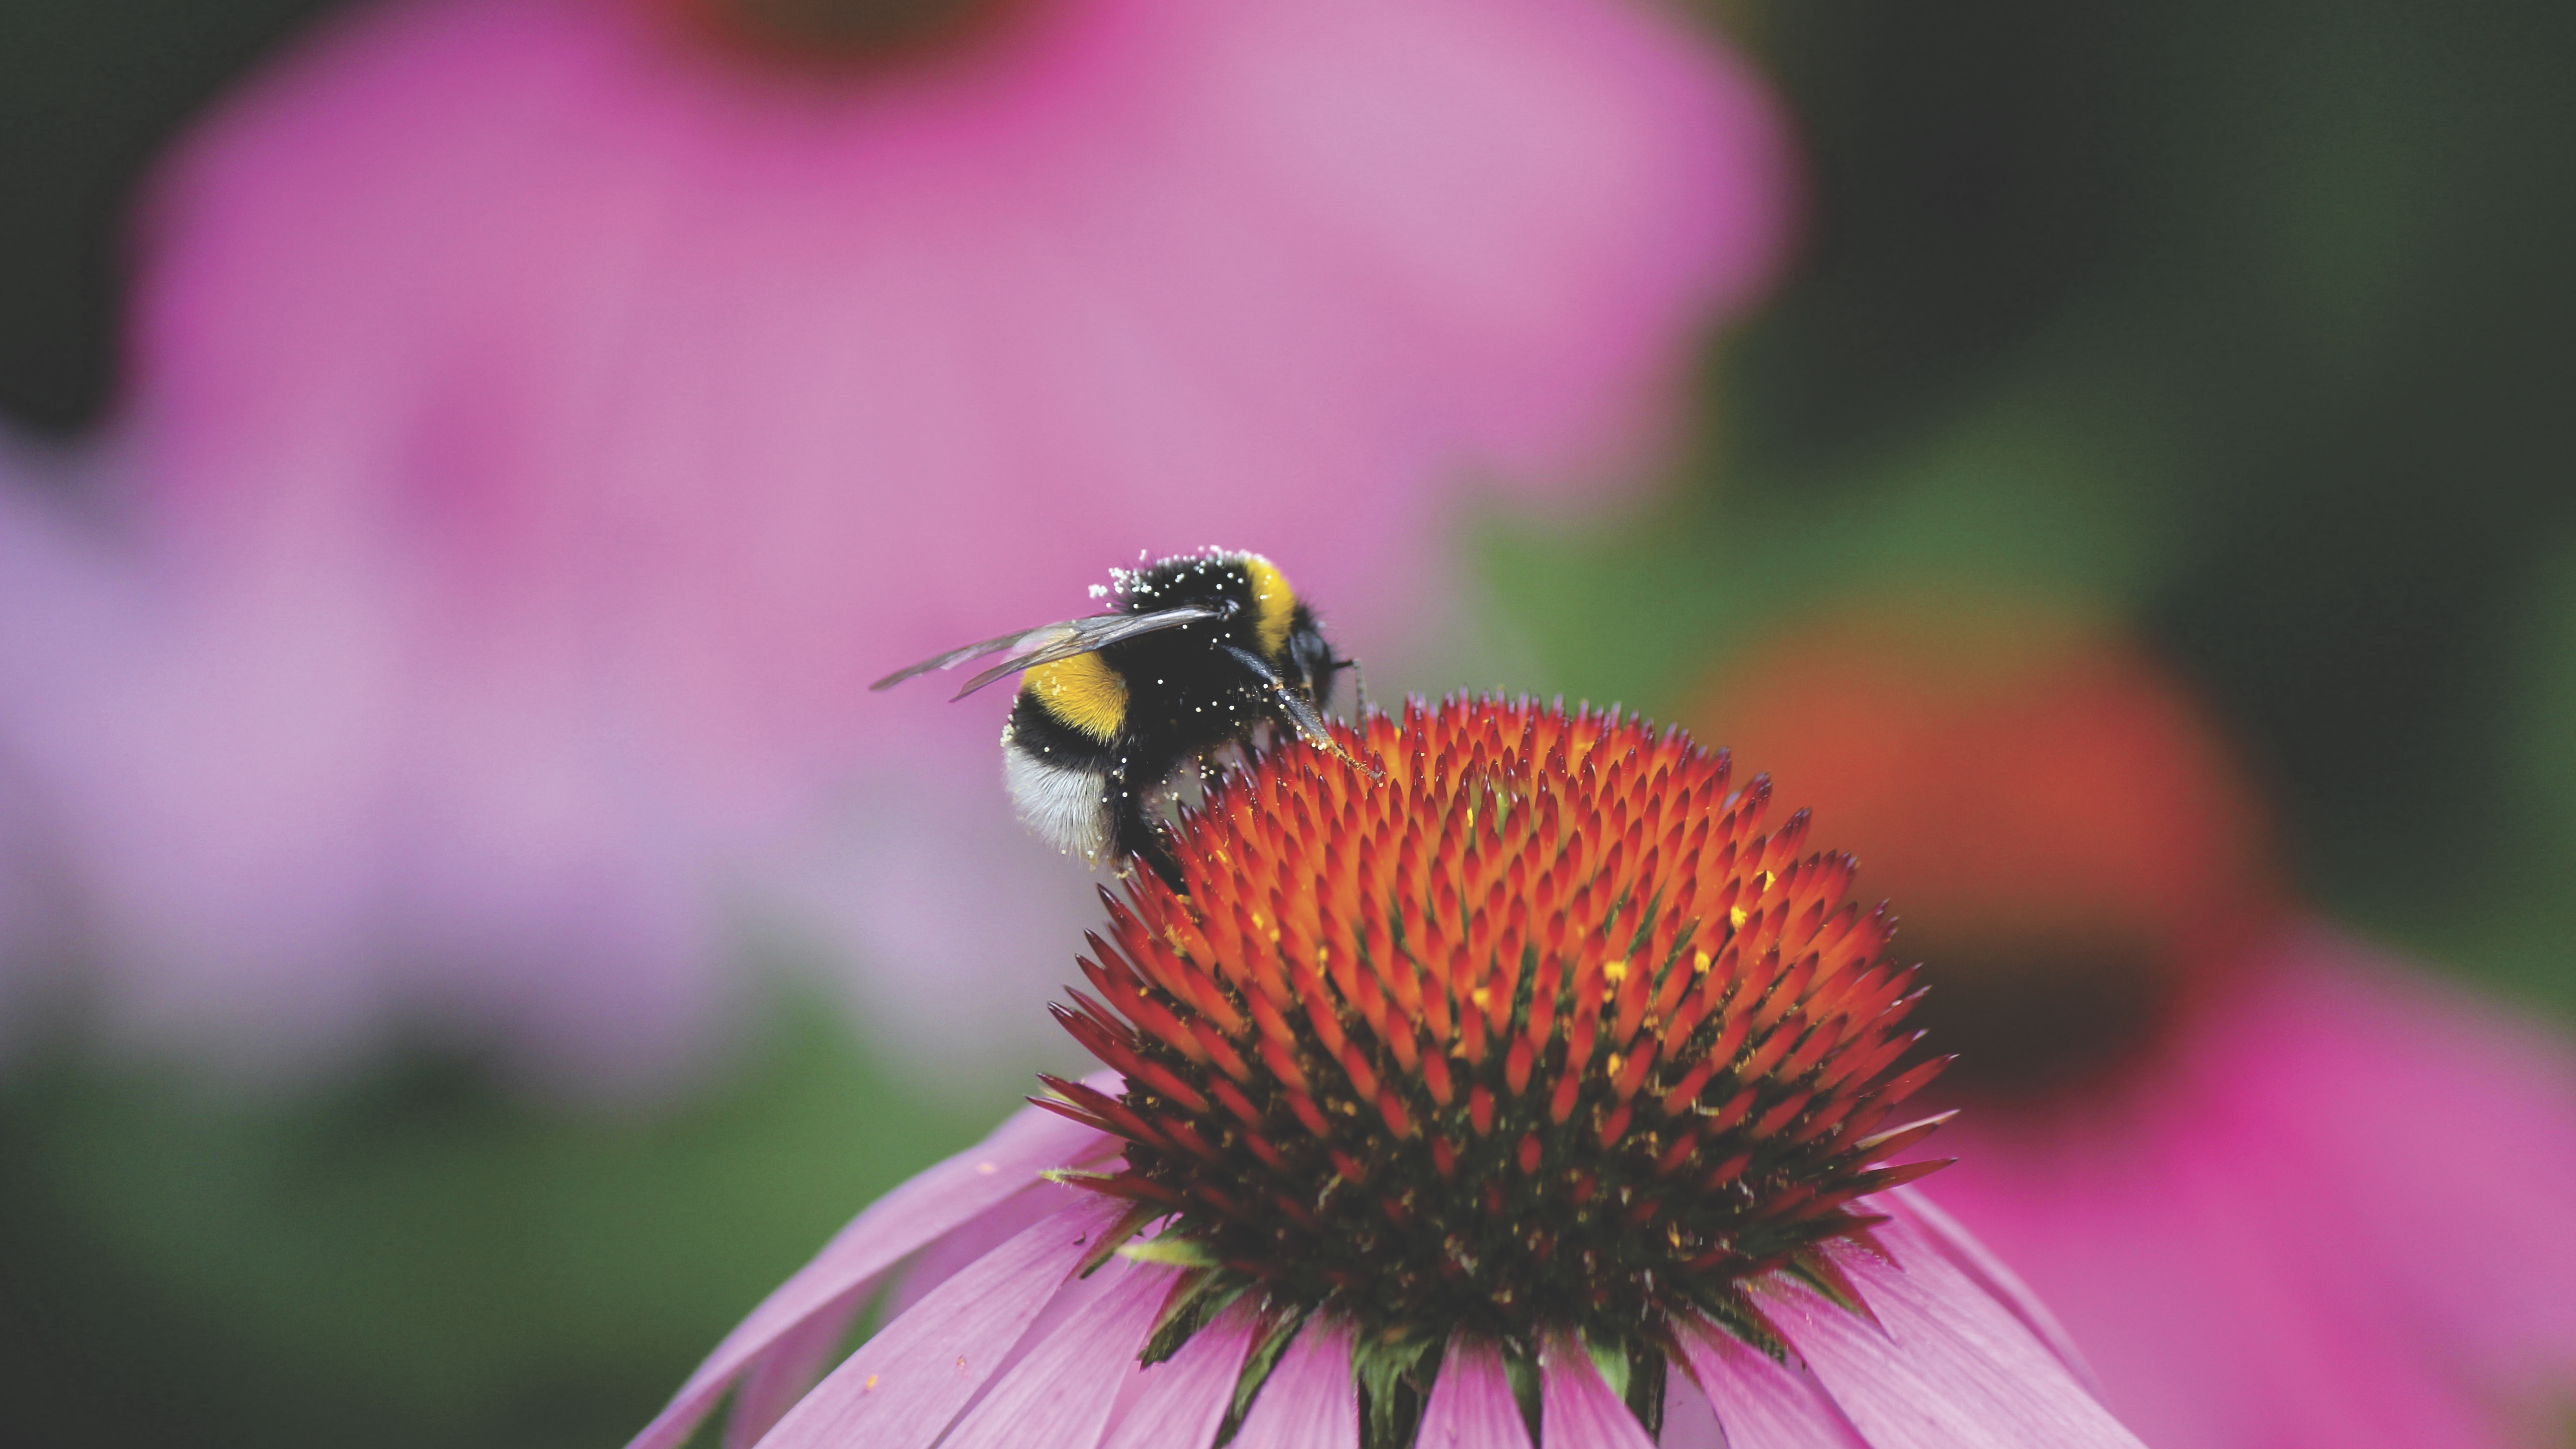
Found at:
[2248, 321]
[421, 1258]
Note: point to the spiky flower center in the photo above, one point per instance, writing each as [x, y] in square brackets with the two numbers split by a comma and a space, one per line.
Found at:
[1512, 1021]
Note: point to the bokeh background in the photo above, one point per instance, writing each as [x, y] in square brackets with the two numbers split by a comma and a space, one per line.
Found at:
[2242, 325]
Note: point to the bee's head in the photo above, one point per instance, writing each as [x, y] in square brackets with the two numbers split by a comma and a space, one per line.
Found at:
[1308, 661]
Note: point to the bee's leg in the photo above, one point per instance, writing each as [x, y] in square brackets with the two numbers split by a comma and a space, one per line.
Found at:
[1137, 832]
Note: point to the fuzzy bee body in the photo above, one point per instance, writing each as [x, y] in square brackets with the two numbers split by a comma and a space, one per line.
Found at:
[1200, 652]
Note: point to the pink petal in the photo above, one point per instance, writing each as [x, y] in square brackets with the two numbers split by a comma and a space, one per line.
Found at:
[1689, 1422]
[961, 1247]
[2240, 1249]
[2198, 1278]
[1576, 1409]
[1183, 1399]
[1060, 1395]
[904, 1385]
[1950, 1370]
[1762, 1404]
[2438, 1117]
[1471, 1405]
[1311, 1401]
[790, 1366]
[938, 1201]
[1992, 1274]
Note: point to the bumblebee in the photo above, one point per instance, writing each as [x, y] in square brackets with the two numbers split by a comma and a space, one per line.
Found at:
[1200, 651]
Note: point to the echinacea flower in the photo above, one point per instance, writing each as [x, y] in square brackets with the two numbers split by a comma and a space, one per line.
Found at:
[1499, 1082]
[2287, 1193]
[547, 415]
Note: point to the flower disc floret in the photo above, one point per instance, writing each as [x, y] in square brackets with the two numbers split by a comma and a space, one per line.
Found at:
[1506, 1023]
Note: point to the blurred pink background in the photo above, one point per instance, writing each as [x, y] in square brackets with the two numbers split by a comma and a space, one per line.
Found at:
[547, 415]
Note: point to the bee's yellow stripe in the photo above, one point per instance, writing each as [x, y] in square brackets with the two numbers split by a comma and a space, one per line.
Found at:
[1273, 602]
[1083, 691]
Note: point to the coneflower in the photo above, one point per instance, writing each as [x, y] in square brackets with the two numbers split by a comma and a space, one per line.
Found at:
[1504, 1081]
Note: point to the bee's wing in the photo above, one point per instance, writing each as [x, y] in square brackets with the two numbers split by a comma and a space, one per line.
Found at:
[955, 657]
[1082, 636]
